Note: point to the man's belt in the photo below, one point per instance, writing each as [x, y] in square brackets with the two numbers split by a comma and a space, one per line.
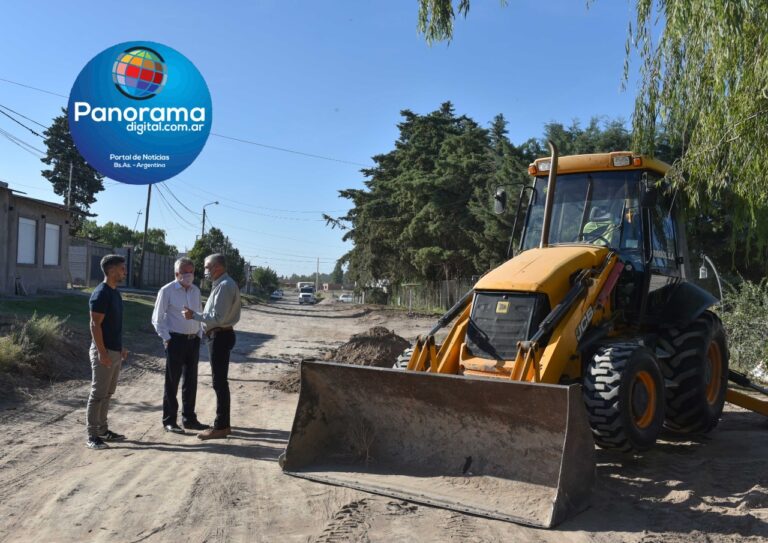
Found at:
[185, 336]
[213, 331]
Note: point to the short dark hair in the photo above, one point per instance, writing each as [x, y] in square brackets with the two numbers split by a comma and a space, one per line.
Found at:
[110, 261]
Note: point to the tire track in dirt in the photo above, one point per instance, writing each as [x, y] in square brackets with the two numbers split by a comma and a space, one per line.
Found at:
[463, 528]
[348, 524]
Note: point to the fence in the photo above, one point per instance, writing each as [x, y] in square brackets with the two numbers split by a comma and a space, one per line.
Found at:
[156, 271]
[84, 259]
[85, 268]
[430, 295]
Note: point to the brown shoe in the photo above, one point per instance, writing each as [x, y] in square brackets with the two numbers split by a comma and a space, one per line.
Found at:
[213, 433]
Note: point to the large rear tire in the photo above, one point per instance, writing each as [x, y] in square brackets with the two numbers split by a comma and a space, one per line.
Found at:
[624, 396]
[697, 374]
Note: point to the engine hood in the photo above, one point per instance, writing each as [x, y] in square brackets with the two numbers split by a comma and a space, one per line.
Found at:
[546, 270]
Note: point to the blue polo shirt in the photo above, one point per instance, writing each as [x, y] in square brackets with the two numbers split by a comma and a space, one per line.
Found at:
[107, 300]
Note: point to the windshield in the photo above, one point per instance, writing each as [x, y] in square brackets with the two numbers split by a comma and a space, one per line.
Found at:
[599, 208]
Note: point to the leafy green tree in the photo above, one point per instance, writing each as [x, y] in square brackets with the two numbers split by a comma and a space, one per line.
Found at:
[337, 275]
[701, 106]
[60, 154]
[265, 278]
[426, 212]
[119, 235]
[705, 83]
[214, 241]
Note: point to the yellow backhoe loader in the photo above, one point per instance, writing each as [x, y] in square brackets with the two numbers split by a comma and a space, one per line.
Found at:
[592, 334]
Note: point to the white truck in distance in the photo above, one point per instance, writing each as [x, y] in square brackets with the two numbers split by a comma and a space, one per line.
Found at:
[307, 295]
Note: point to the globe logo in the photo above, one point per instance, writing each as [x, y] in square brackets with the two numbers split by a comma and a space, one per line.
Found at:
[139, 73]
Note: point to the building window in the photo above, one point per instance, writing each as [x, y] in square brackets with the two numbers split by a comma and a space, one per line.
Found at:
[52, 244]
[25, 252]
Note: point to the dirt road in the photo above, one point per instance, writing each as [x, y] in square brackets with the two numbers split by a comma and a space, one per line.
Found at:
[165, 487]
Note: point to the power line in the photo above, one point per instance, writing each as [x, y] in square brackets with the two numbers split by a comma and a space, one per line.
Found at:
[202, 190]
[18, 122]
[268, 258]
[33, 88]
[21, 143]
[168, 188]
[263, 249]
[241, 140]
[24, 116]
[170, 207]
[295, 152]
[272, 235]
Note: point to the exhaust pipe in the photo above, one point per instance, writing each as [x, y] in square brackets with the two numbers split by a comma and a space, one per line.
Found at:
[550, 201]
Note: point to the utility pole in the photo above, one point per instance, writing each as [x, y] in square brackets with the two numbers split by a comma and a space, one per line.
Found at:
[144, 241]
[317, 274]
[69, 191]
[138, 215]
[206, 205]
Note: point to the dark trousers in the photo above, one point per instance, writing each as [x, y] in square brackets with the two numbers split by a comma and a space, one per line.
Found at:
[219, 347]
[181, 359]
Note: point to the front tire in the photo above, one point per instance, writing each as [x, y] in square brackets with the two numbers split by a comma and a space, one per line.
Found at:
[698, 375]
[624, 396]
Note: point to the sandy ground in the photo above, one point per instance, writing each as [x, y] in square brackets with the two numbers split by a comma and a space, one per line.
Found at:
[163, 487]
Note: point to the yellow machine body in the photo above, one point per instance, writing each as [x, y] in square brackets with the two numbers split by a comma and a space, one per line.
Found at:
[504, 436]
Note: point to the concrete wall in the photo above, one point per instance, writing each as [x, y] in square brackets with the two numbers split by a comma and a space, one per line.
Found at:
[5, 261]
[33, 276]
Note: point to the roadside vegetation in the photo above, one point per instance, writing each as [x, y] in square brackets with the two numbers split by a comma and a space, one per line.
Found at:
[28, 344]
[745, 316]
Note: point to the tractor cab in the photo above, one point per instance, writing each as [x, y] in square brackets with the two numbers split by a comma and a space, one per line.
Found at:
[613, 200]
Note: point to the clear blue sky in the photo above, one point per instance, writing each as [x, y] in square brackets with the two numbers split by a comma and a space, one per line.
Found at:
[325, 78]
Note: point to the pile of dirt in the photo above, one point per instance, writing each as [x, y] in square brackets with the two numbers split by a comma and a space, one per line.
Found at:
[377, 347]
[288, 382]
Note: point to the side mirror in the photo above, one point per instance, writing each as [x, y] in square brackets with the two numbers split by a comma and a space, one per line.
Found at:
[500, 201]
[648, 192]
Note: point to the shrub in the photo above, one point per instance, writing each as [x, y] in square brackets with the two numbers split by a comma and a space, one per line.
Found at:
[11, 353]
[27, 341]
[745, 316]
[38, 333]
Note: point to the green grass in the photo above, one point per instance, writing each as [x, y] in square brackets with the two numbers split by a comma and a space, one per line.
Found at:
[137, 310]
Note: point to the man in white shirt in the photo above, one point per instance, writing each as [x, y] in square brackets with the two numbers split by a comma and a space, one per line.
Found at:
[181, 338]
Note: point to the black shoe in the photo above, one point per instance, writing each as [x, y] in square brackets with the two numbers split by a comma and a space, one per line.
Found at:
[174, 428]
[195, 425]
[95, 442]
[109, 435]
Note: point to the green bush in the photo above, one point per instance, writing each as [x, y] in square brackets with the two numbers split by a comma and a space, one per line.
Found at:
[745, 316]
[38, 333]
[11, 353]
[29, 339]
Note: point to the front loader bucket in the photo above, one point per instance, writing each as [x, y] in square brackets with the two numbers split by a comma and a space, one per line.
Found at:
[513, 451]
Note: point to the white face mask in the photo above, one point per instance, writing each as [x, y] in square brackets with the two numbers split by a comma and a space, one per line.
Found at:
[186, 279]
[207, 274]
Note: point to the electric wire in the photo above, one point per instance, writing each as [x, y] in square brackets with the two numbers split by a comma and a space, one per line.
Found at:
[223, 136]
[19, 122]
[24, 116]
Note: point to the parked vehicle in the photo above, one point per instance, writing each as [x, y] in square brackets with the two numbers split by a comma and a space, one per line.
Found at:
[346, 298]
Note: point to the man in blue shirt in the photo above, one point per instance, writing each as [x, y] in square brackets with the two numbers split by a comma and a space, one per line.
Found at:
[107, 353]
